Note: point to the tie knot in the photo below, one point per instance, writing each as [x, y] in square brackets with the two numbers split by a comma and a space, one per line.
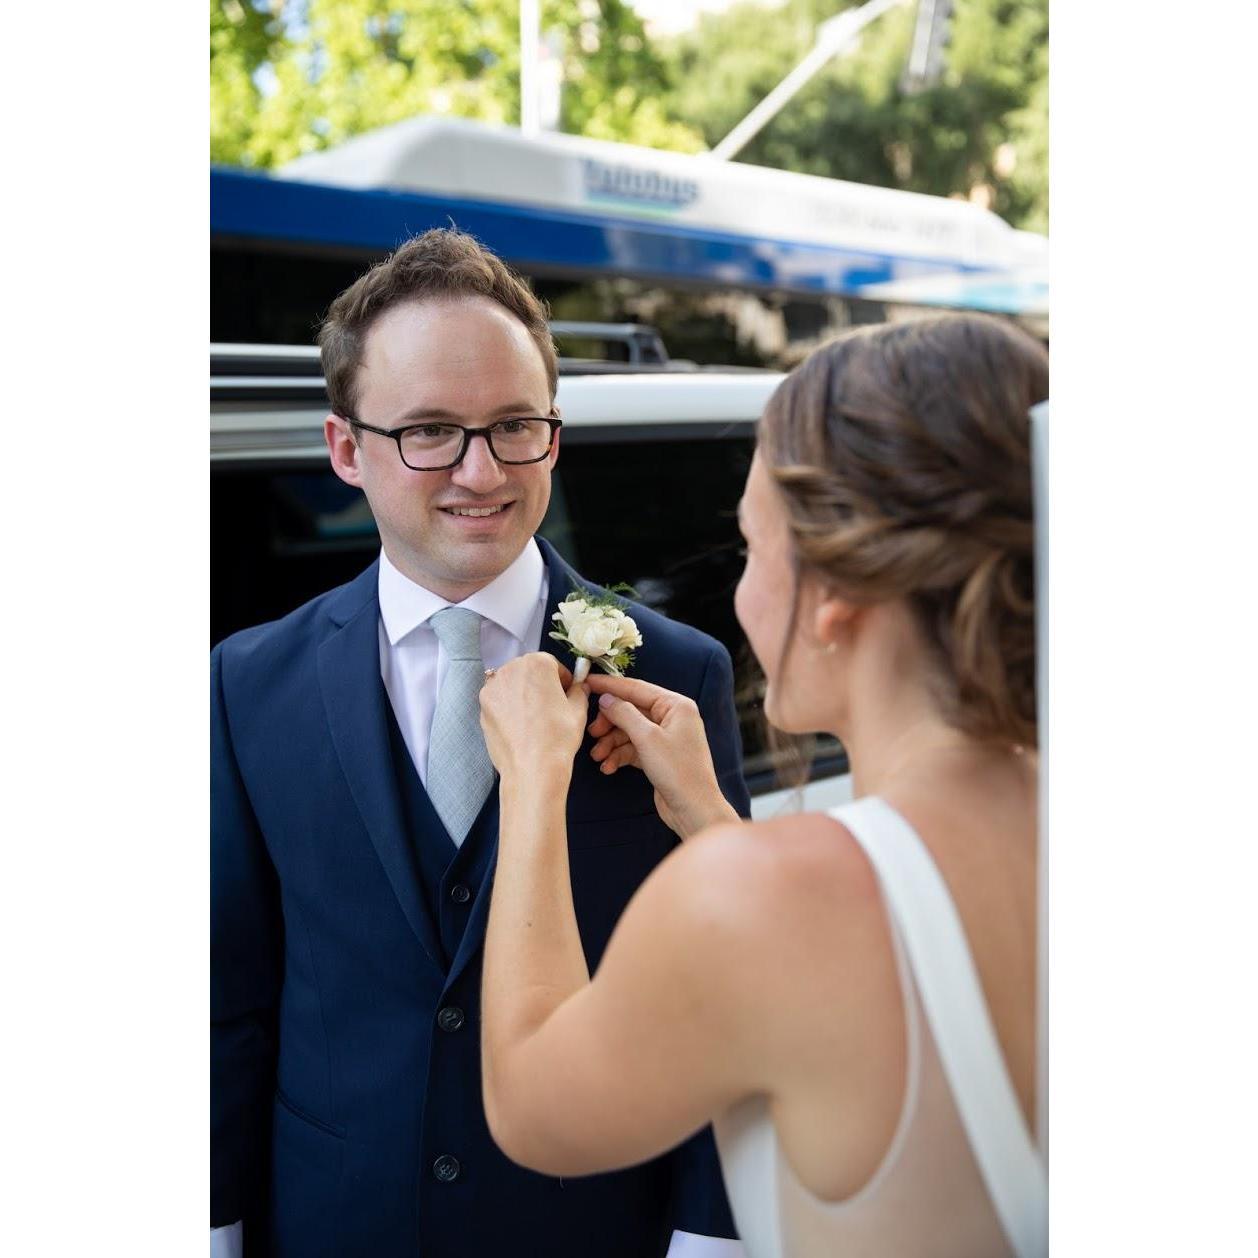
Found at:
[458, 631]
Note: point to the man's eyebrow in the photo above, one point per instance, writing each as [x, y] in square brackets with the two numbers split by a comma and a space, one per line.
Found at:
[417, 414]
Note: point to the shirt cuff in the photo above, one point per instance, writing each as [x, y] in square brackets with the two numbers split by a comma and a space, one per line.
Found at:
[228, 1242]
[689, 1245]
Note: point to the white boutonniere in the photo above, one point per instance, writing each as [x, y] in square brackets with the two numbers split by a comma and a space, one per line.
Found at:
[597, 631]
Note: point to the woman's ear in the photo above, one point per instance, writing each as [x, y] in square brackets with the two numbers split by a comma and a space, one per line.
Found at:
[832, 617]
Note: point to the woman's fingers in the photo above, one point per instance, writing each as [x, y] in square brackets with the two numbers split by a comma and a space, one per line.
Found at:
[642, 694]
[608, 743]
[522, 709]
[638, 722]
[627, 717]
[602, 724]
[578, 705]
[622, 758]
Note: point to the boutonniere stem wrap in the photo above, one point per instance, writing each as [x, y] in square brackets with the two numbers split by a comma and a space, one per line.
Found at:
[598, 632]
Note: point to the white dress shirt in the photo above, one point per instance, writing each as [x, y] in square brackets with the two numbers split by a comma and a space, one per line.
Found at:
[413, 661]
[412, 666]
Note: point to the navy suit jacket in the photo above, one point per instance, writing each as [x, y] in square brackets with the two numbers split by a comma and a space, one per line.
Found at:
[346, 951]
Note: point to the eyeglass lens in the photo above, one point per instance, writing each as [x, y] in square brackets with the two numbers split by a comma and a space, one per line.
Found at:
[512, 441]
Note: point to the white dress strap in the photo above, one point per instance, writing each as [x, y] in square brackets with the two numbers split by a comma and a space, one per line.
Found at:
[952, 997]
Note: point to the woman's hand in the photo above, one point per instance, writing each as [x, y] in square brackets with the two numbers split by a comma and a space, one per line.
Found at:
[533, 717]
[662, 733]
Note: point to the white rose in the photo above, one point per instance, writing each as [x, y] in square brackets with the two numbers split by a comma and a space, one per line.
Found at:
[628, 635]
[571, 612]
[594, 635]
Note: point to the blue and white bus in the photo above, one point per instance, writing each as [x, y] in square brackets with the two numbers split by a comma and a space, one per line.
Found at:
[730, 262]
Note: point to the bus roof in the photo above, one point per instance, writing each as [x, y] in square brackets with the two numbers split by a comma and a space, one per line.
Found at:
[579, 205]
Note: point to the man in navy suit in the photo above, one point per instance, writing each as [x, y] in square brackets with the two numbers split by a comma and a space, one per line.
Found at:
[350, 883]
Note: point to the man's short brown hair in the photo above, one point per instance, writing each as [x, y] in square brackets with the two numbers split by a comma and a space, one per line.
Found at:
[441, 263]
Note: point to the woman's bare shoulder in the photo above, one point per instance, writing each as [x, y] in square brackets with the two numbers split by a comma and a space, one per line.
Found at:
[739, 849]
[803, 845]
[750, 879]
[769, 915]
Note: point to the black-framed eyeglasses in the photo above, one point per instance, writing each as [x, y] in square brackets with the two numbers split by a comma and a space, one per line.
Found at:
[435, 446]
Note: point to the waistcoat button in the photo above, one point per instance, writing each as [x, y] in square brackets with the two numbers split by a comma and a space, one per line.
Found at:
[446, 1168]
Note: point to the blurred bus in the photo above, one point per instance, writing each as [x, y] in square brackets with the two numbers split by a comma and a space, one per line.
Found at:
[733, 263]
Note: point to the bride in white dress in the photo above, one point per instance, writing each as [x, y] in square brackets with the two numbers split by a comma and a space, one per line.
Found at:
[849, 998]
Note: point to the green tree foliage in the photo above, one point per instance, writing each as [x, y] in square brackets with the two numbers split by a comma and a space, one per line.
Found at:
[292, 76]
[982, 130]
[242, 40]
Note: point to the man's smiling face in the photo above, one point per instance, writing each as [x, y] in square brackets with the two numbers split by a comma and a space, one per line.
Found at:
[465, 361]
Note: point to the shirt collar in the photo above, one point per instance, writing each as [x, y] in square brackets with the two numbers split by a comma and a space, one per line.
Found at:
[509, 600]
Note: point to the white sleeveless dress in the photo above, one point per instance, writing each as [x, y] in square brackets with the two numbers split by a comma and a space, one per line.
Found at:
[962, 1177]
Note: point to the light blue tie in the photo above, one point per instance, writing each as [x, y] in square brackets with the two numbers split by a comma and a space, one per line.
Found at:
[460, 772]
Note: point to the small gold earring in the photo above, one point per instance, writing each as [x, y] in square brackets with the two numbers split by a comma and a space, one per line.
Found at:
[831, 648]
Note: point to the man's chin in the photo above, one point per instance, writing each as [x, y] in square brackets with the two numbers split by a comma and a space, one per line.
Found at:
[457, 571]
[483, 559]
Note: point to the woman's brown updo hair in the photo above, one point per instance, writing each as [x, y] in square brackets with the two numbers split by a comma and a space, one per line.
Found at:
[902, 453]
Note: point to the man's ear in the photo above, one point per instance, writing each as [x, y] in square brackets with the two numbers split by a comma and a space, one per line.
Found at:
[342, 450]
[554, 449]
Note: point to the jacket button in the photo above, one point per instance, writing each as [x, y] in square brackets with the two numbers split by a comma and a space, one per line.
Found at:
[460, 894]
[450, 1018]
[446, 1168]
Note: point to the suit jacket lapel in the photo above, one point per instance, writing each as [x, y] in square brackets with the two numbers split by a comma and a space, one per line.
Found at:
[563, 581]
[355, 700]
